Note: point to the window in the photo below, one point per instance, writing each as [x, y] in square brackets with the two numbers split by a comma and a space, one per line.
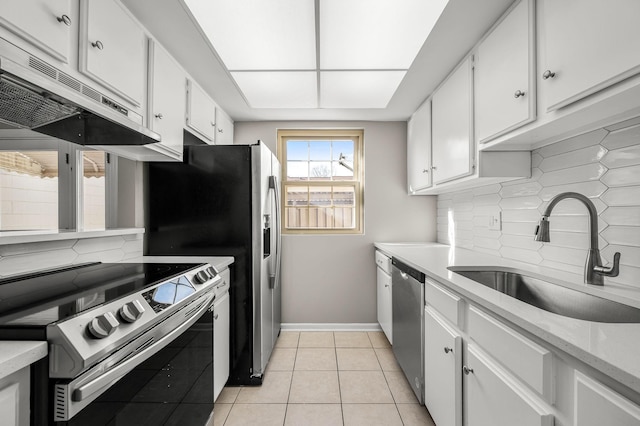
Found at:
[323, 181]
[93, 190]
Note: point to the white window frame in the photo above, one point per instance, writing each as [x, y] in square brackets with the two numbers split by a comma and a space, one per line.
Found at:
[357, 135]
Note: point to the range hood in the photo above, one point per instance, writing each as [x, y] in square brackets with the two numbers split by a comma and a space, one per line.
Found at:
[42, 98]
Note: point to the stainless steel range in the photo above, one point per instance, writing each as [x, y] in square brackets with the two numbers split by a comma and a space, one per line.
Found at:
[128, 343]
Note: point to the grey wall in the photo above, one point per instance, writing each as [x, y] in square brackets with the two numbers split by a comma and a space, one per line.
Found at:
[332, 279]
[604, 165]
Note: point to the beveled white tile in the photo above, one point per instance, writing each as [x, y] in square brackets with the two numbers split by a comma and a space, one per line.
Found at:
[629, 156]
[462, 216]
[577, 240]
[629, 275]
[443, 227]
[578, 270]
[132, 246]
[574, 143]
[626, 216]
[628, 255]
[464, 225]
[566, 255]
[522, 190]
[622, 235]
[568, 223]
[622, 138]
[444, 203]
[488, 251]
[486, 189]
[29, 262]
[579, 157]
[445, 196]
[486, 233]
[462, 197]
[623, 176]
[106, 256]
[488, 243]
[521, 228]
[520, 241]
[463, 206]
[531, 202]
[371, 415]
[593, 171]
[92, 245]
[624, 124]
[623, 196]
[590, 189]
[528, 256]
[532, 215]
[536, 159]
[27, 248]
[486, 200]
[570, 206]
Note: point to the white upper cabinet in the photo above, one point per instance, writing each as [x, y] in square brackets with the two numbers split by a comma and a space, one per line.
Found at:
[453, 146]
[46, 24]
[224, 128]
[113, 48]
[419, 148]
[167, 89]
[201, 112]
[505, 92]
[587, 45]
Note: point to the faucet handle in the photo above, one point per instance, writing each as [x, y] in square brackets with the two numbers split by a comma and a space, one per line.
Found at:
[612, 271]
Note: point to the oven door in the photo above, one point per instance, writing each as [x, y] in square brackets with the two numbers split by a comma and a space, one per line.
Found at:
[164, 377]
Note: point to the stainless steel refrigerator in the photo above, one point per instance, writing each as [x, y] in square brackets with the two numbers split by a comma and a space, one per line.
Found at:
[225, 201]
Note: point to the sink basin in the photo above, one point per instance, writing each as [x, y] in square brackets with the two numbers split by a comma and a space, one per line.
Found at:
[544, 294]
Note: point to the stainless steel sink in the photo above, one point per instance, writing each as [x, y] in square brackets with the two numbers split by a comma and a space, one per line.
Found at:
[544, 294]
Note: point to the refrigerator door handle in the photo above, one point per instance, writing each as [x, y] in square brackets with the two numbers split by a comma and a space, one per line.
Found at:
[275, 277]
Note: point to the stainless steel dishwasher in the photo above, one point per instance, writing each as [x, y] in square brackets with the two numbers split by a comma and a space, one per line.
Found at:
[408, 323]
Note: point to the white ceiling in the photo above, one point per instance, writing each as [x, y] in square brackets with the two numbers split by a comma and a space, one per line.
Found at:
[461, 24]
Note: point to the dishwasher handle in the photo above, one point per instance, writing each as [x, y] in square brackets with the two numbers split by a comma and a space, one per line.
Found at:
[408, 270]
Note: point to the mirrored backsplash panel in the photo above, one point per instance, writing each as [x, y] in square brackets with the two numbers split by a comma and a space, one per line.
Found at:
[603, 165]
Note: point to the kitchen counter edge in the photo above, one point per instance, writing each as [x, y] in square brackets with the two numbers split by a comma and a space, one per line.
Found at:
[16, 355]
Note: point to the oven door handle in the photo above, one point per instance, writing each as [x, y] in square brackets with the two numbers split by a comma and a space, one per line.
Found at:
[119, 371]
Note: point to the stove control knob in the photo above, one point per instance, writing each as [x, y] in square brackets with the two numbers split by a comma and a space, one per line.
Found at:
[201, 277]
[103, 325]
[212, 271]
[130, 312]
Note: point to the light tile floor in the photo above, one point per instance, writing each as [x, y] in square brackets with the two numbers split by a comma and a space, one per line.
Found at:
[326, 378]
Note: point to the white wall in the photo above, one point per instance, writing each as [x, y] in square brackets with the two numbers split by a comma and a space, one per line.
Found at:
[602, 165]
[332, 278]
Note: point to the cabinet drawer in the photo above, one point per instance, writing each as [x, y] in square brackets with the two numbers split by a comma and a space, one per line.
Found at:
[446, 303]
[529, 361]
[596, 404]
[383, 261]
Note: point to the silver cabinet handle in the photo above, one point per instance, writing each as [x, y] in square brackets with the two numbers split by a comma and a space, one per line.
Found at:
[434, 168]
[518, 94]
[467, 370]
[548, 74]
[386, 285]
[215, 317]
[98, 44]
[425, 170]
[220, 130]
[64, 19]
[447, 350]
[159, 116]
[404, 275]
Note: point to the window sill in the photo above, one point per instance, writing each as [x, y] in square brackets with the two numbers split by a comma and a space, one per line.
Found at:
[21, 237]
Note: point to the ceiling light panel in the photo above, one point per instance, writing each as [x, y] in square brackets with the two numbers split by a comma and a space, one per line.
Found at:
[294, 89]
[358, 89]
[380, 34]
[259, 34]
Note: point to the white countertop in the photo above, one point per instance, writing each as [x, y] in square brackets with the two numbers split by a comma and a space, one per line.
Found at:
[613, 349]
[17, 355]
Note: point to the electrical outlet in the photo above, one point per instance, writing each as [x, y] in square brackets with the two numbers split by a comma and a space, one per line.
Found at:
[495, 221]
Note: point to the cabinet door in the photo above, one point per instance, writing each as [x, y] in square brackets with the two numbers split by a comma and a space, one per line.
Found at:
[494, 398]
[167, 99]
[419, 148]
[221, 312]
[384, 303]
[442, 370]
[113, 48]
[598, 405]
[589, 45]
[452, 147]
[14, 398]
[47, 24]
[505, 75]
[201, 112]
[224, 128]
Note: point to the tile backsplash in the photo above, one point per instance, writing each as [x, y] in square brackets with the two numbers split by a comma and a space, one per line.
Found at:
[27, 257]
[603, 165]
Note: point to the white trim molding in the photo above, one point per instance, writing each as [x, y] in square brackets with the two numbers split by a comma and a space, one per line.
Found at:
[331, 327]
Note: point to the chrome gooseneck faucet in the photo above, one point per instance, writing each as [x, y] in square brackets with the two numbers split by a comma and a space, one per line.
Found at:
[594, 271]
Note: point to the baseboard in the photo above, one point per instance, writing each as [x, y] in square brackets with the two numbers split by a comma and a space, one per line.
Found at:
[331, 327]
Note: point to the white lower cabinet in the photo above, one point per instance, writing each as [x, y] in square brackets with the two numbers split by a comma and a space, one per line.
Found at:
[597, 405]
[492, 397]
[221, 332]
[442, 369]
[14, 398]
[384, 294]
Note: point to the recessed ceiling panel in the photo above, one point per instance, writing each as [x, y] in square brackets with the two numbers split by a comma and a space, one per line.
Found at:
[294, 89]
[358, 89]
[381, 34]
[259, 34]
